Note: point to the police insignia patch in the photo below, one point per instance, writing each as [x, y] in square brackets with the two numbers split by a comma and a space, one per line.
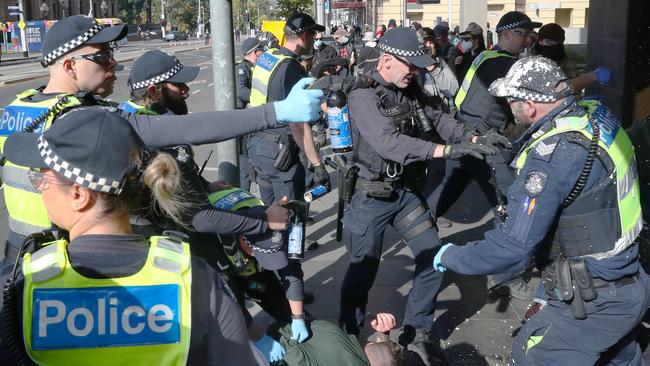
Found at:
[535, 182]
[240, 72]
[182, 154]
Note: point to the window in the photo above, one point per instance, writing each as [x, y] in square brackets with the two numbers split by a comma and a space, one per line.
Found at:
[563, 17]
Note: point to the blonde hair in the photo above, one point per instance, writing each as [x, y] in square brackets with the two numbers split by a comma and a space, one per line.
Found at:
[163, 177]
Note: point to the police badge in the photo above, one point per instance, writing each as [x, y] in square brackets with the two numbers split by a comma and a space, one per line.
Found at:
[535, 182]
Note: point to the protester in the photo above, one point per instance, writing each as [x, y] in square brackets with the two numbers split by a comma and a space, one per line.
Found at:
[471, 46]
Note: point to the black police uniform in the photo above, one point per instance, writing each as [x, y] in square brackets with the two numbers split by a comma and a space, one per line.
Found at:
[244, 72]
[389, 155]
[263, 148]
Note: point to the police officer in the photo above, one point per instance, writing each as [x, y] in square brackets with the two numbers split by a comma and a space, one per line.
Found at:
[388, 153]
[107, 296]
[575, 202]
[81, 65]
[251, 49]
[482, 112]
[274, 152]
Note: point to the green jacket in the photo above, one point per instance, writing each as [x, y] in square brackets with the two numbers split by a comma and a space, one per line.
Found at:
[328, 346]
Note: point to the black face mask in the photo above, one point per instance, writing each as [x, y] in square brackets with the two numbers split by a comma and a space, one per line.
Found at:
[555, 53]
[176, 105]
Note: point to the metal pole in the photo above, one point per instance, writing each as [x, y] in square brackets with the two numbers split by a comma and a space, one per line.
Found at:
[449, 13]
[223, 72]
[90, 10]
[23, 35]
[162, 18]
[404, 10]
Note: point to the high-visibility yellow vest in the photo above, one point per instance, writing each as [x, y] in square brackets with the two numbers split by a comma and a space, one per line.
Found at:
[469, 77]
[27, 213]
[142, 319]
[235, 199]
[133, 107]
[263, 71]
[615, 142]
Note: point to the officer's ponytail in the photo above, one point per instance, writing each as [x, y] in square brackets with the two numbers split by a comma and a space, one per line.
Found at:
[163, 177]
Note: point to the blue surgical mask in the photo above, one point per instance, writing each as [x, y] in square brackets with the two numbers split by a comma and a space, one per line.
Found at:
[318, 43]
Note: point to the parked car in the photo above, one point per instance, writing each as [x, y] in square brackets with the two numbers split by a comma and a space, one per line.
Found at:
[175, 36]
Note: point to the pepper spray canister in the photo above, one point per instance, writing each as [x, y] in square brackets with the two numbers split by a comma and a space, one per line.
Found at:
[338, 120]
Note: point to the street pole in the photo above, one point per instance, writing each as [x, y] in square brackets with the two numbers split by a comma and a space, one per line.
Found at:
[162, 19]
[404, 20]
[449, 13]
[23, 34]
[223, 72]
[90, 10]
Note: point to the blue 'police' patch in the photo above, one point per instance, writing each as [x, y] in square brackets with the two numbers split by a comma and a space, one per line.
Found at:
[232, 199]
[16, 118]
[266, 61]
[105, 317]
[608, 124]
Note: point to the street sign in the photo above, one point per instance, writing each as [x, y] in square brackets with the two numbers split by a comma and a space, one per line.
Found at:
[22, 24]
[13, 7]
[15, 13]
[327, 7]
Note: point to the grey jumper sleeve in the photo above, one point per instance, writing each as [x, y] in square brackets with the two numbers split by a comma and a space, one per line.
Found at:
[201, 127]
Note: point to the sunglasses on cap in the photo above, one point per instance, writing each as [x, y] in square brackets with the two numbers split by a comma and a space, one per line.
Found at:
[103, 57]
[41, 182]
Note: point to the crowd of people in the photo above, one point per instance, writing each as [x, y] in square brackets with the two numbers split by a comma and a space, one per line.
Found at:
[112, 223]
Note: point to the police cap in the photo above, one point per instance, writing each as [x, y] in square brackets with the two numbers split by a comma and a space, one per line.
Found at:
[251, 44]
[301, 22]
[406, 42]
[533, 78]
[155, 67]
[72, 32]
[516, 19]
[91, 146]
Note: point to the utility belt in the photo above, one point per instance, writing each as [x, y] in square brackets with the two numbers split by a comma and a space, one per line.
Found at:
[385, 189]
[288, 150]
[570, 281]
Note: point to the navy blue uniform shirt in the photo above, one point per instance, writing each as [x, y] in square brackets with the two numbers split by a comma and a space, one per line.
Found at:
[509, 248]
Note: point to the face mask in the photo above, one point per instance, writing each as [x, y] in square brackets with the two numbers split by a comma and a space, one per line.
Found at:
[343, 40]
[555, 53]
[318, 43]
[466, 44]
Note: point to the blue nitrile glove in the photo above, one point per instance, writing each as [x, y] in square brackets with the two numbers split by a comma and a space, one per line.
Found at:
[603, 75]
[299, 331]
[301, 105]
[270, 348]
[437, 260]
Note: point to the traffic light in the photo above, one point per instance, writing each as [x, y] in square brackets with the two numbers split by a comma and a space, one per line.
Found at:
[246, 18]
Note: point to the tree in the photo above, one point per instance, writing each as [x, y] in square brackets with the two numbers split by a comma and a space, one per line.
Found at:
[287, 7]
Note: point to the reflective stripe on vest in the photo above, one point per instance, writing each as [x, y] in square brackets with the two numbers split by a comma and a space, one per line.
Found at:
[263, 71]
[615, 142]
[145, 318]
[235, 199]
[27, 213]
[469, 77]
[132, 107]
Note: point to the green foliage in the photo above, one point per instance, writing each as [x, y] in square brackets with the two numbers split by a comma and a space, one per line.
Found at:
[287, 7]
[180, 14]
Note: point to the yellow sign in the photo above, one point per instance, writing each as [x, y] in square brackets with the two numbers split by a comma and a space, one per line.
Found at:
[21, 24]
[2, 26]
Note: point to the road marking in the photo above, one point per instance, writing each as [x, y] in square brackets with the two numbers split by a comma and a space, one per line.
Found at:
[196, 91]
[210, 84]
[197, 82]
[204, 67]
[206, 62]
[211, 169]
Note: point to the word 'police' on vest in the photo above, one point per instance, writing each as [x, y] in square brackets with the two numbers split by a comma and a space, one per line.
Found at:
[16, 118]
[105, 316]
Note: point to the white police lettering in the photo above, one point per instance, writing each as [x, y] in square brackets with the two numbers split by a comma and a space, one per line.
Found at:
[17, 118]
[158, 318]
[105, 316]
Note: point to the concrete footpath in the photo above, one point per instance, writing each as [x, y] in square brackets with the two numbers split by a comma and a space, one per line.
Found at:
[12, 73]
[477, 328]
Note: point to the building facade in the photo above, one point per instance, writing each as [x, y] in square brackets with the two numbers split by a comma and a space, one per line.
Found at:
[55, 9]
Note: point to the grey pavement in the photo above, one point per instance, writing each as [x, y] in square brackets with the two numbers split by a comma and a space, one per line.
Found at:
[477, 329]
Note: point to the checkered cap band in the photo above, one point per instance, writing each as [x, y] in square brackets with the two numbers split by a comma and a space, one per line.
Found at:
[75, 174]
[512, 25]
[157, 79]
[274, 249]
[72, 44]
[405, 53]
[534, 96]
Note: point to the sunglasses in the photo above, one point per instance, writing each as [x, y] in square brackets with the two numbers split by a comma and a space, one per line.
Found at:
[103, 57]
[42, 182]
[405, 63]
[511, 100]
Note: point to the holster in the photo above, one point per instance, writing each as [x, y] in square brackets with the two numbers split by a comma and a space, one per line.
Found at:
[287, 155]
[572, 283]
[348, 180]
[382, 190]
